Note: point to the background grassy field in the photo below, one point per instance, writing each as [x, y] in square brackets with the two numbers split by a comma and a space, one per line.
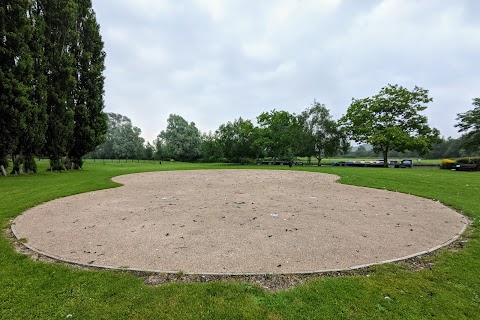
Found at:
[450, 289]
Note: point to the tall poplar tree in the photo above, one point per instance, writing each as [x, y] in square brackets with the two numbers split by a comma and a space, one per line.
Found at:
[32, 140]
[15, 75]
[51, 82]
[60, 39]
[90, 122]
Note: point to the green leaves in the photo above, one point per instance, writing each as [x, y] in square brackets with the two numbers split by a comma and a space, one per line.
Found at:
[16, 72]
[127, 143]
[51, 79]
[279, 131]
[238, 140]
[469, 122]
[390, 120]
[321, 135]
[181, 140]
[90, 120]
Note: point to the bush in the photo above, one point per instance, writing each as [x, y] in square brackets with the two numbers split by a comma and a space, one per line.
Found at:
[470, 160]
[247, 161]
[447, 164]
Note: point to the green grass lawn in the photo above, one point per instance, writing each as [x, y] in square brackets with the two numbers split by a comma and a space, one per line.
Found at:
[450, 289]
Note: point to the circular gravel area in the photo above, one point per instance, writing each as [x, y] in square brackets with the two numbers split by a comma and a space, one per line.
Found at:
[237, 222]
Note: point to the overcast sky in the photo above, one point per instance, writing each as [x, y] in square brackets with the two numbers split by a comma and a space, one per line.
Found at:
[212, 61]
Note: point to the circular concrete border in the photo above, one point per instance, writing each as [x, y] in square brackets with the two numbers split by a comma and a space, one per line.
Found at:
[455, 238]
[319, 271]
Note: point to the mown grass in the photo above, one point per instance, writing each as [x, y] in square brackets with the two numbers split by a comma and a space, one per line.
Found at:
[448, 290]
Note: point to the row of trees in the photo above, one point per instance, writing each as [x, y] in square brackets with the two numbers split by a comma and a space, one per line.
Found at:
[279, 134]
[445, 148]
[390, 122]
[123, 140]
[51, 82]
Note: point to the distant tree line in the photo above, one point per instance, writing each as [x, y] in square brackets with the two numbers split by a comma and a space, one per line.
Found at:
[388, 124]
[278, 135]
[51, 83]
[466, 145]
[123, 140]
[445, 148]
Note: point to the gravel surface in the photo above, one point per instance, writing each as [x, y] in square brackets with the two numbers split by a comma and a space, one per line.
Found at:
[236, 222]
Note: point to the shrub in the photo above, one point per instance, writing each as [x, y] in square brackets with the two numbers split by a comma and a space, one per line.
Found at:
[447, 164]
[247, 161]
[470, 160]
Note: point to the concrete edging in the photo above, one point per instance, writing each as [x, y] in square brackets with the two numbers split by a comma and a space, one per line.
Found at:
[323, 271]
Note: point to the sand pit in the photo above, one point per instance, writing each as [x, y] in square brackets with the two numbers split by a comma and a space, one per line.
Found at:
[236, 221]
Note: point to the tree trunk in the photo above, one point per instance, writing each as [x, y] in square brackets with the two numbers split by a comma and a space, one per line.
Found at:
[318, 155]
[17, 164]
[76, 163]
[385, 158]
[29, 165]
[3, 172]
[57, 165]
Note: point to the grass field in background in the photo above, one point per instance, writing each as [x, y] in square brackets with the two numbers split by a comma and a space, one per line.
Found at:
[450, 289]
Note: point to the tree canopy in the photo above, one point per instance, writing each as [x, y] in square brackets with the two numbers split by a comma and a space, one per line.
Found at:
[211, 147]
[51, 80]
[127, 142]
[238, 140]
[279, 133]
[123, 140]
[180, 140]
[16, 73]
[391, 120]
[469, 123]
[90, 123]
[321, 136]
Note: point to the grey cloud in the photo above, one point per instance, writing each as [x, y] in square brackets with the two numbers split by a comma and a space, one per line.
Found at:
[213, 61]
